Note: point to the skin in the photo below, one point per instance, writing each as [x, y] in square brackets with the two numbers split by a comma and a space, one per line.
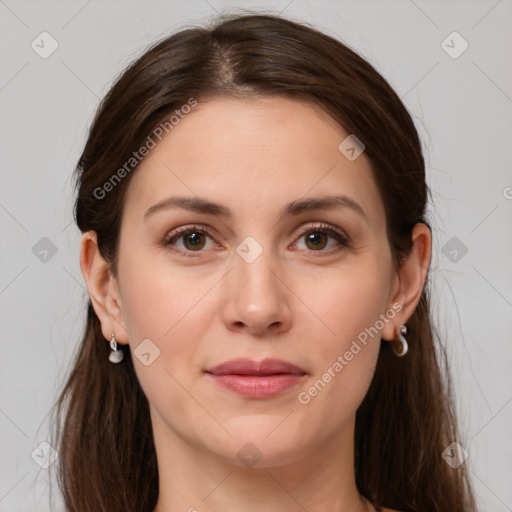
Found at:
[297, 301]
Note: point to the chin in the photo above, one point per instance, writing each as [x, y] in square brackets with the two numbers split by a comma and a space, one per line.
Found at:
[253, 447]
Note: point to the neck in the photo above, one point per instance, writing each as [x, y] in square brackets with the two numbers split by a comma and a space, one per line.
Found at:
[192, 479]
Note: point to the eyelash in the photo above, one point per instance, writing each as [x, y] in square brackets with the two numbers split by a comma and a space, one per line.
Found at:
[319, 228]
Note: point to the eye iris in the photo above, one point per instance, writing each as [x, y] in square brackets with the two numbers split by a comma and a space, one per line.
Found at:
[195, 239]
[314, 238]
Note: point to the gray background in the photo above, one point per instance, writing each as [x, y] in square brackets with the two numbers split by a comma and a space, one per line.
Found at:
[462, 108]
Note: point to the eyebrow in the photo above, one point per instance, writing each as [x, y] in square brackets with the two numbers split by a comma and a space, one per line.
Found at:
[200, 205]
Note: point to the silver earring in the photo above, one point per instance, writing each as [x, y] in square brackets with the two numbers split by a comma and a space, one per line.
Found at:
[116, 355]
[402, 331]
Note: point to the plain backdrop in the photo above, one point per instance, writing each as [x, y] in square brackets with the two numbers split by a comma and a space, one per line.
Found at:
[461, 102]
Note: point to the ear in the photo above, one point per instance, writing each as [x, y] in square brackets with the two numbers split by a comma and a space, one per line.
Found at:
[410, 280]
[103, 289]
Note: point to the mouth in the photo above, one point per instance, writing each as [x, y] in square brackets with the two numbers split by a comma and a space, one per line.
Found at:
[257, 379]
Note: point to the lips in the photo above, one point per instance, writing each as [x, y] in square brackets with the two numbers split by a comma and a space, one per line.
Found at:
[257, 379]
[256, 368]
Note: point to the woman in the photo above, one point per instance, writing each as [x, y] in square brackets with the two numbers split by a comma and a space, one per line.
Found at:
[252, 200]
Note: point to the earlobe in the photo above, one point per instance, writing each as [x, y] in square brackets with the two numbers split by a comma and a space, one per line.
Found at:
[411, 280]
[103, 289]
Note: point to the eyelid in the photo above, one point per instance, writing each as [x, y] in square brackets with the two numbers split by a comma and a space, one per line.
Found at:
[340, 236]
[321, 226]
[179, 232]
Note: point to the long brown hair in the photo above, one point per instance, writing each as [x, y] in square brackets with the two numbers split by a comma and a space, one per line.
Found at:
[104, 437]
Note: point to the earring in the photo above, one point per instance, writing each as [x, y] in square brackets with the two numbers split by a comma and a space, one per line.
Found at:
[402, 331]
[116, 355]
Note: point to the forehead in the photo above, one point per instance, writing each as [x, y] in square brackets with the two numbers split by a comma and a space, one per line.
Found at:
[256, 154]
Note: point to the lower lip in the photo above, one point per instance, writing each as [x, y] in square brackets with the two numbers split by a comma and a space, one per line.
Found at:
[264, 386]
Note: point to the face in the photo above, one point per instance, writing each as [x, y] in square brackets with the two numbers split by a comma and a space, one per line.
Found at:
[263, 276]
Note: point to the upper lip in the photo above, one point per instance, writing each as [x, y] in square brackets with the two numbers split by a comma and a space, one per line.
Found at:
[243, 366]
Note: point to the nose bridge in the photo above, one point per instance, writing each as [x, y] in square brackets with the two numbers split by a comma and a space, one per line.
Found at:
[252, 273]
[256, 297]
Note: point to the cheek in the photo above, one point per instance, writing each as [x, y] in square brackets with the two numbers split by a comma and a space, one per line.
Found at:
[174, 310]
[345, 304]
[157, 298]
[348, 308]
[170, 309]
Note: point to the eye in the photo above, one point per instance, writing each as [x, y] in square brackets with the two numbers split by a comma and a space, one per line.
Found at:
[317, 238]
[193, 239]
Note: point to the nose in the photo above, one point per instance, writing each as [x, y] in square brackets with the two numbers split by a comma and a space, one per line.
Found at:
[257, 299]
